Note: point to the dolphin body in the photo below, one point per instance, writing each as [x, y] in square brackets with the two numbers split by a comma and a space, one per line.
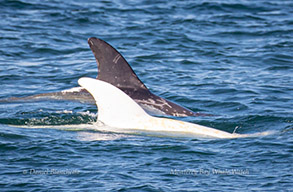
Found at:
[116, 109]
[114, 69]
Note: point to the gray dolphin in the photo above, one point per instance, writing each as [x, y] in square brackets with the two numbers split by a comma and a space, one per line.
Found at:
[114, 69]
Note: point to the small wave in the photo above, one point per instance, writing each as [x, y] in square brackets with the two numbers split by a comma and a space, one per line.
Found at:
[58, 118]
[11, 136]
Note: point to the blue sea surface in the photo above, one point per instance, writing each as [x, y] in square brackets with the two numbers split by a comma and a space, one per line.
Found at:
[232, 59]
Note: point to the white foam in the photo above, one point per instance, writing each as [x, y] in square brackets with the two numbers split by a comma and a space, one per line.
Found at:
[65, 112]
[87, 113]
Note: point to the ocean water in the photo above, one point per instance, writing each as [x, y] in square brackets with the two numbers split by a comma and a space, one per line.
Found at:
[232, 59]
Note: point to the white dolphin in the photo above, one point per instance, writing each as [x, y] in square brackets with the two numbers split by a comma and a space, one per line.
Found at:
[118, 110]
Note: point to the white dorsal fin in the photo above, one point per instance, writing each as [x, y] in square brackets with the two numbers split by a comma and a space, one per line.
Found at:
[115, 108]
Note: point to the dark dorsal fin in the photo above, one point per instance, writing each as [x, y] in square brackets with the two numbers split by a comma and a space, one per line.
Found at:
[112, 67]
